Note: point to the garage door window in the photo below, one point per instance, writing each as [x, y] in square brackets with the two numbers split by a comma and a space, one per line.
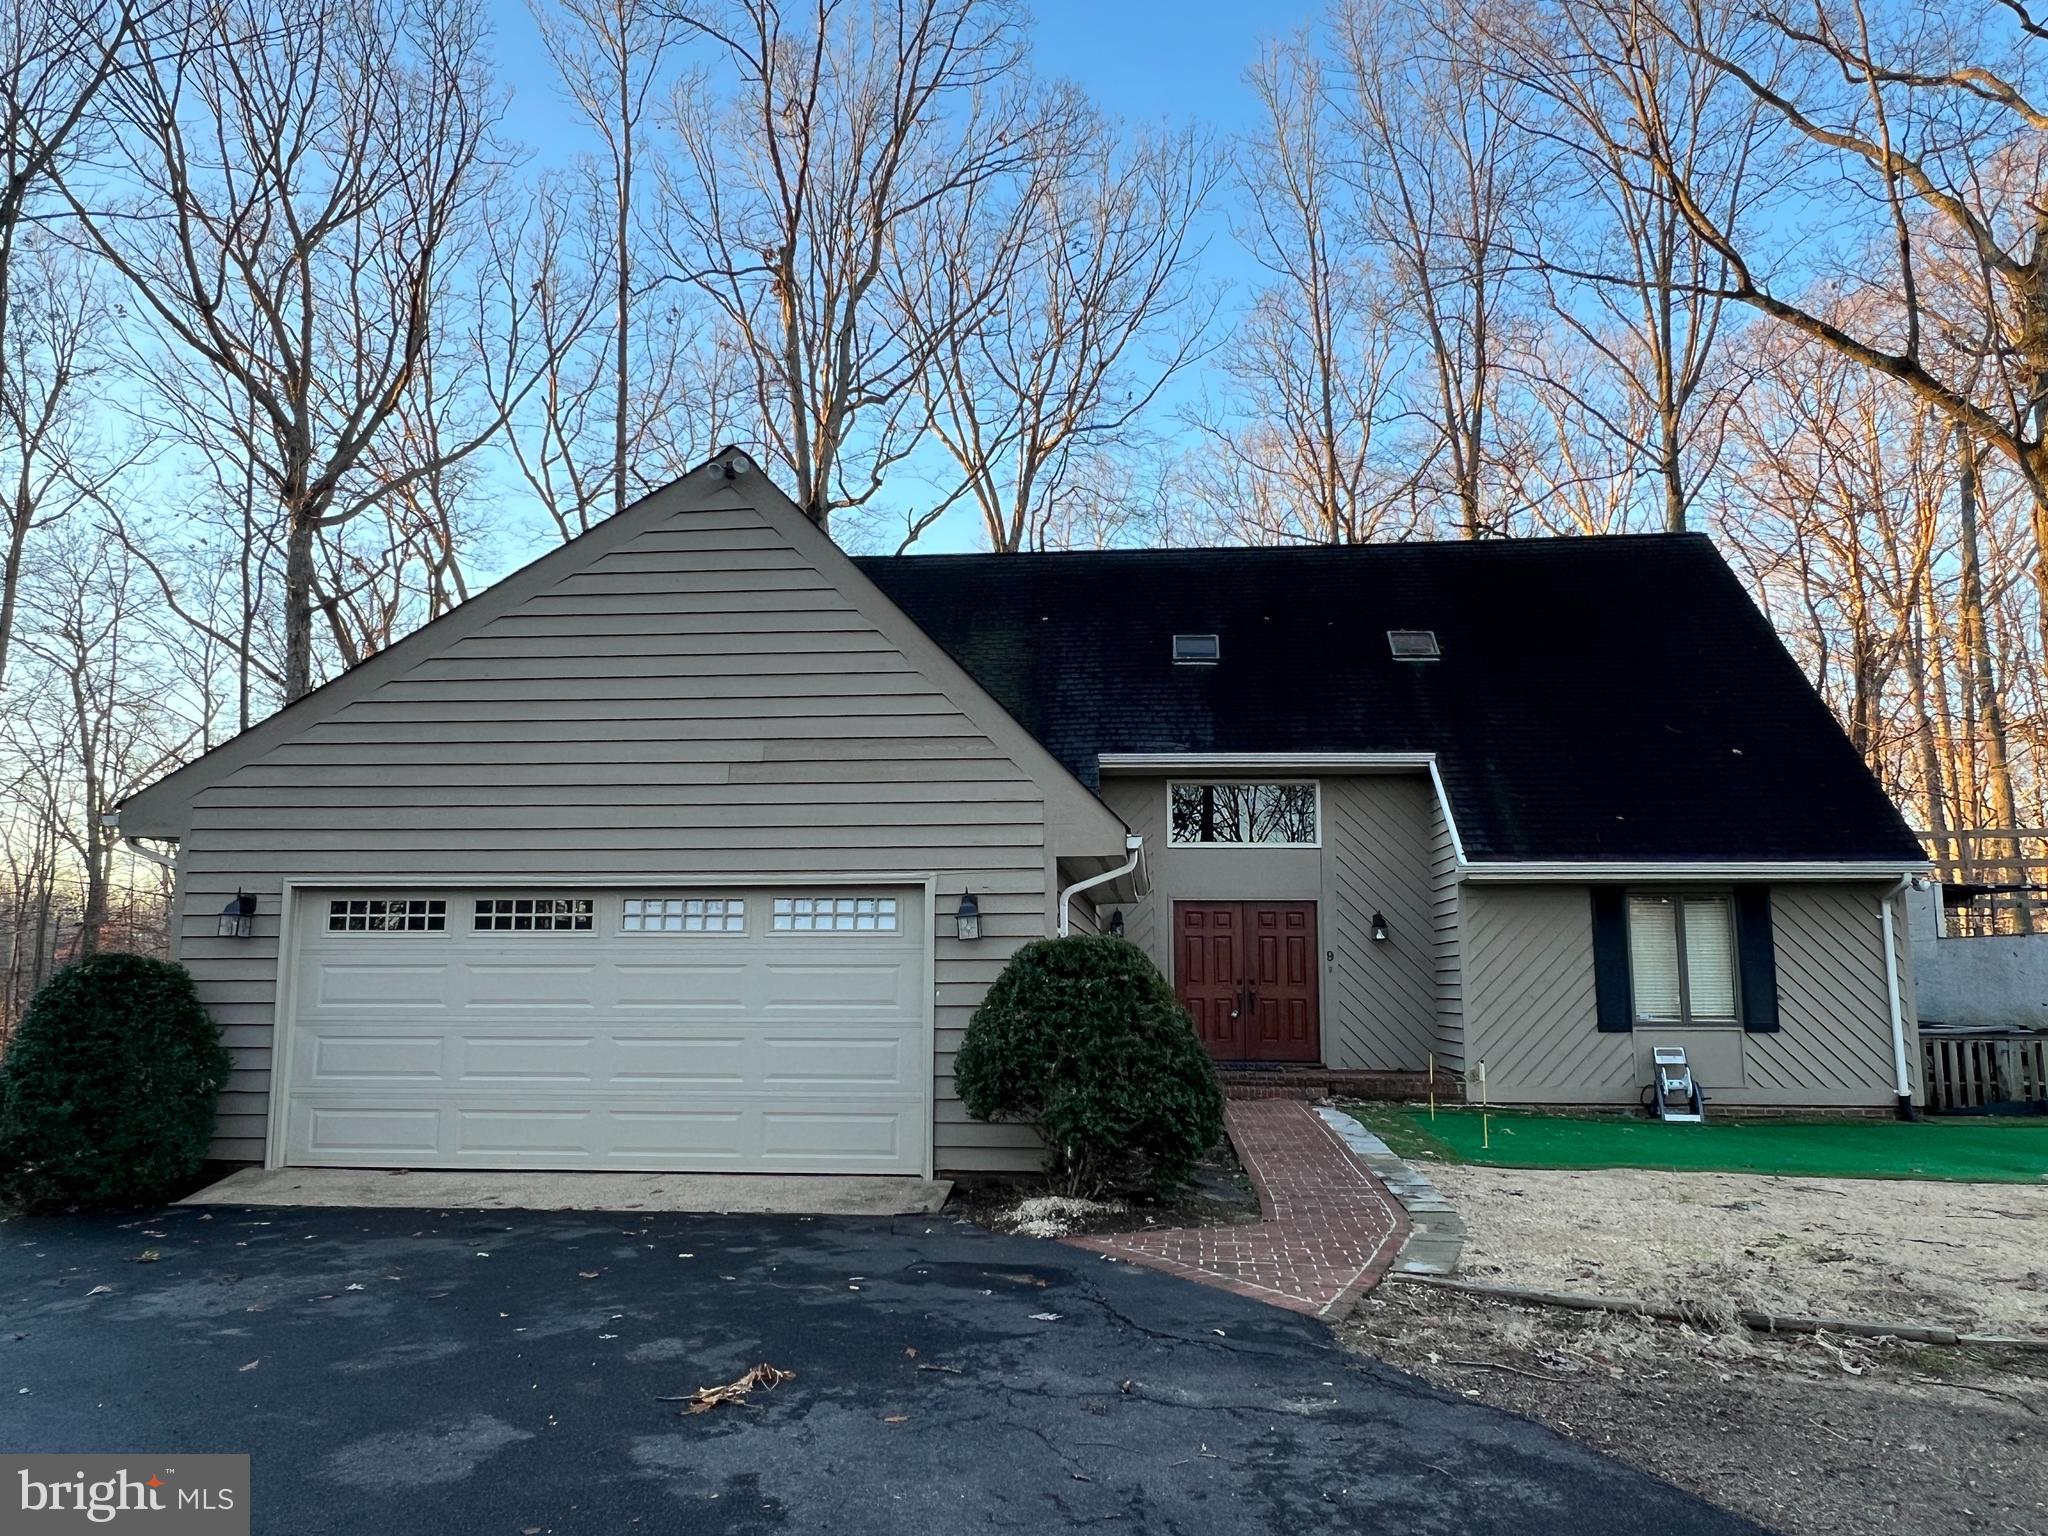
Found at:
[835, 914]
[685, 914]
[534, 914]
[387, 914]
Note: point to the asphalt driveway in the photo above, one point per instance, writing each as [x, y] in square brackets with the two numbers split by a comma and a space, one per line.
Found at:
[500, 1372]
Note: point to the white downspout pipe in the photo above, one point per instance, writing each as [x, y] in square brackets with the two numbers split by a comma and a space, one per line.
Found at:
[1902, 1071]
[1134, 845]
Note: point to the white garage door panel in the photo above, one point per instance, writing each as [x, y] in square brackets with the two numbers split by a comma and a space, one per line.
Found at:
[756, 1051]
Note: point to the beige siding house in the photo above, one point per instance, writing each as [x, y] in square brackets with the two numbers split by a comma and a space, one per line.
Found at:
[694, 844]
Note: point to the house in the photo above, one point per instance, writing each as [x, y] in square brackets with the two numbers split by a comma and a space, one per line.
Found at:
[693, 844]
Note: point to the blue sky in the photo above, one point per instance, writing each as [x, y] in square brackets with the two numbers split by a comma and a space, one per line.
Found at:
[1141, 60]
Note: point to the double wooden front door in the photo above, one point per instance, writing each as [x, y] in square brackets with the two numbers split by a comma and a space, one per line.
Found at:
[1246, 971]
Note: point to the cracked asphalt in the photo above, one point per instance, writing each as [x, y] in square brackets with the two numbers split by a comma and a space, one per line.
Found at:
[404, 1371]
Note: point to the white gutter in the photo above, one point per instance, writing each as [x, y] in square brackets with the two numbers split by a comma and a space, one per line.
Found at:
[1224, 762]
[162, 861]
[1134, 845]
[1901, 1071]
[1726, 870]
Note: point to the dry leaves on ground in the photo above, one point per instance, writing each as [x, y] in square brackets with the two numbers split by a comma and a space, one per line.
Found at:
[704, 1399]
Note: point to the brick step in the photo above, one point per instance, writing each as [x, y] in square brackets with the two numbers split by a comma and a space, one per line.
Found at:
[1311, 1083]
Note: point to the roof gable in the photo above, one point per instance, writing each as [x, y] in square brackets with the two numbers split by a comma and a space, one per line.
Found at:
[1599, 700]
[617, 637]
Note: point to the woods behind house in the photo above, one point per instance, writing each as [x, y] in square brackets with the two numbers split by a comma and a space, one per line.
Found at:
[300, 343]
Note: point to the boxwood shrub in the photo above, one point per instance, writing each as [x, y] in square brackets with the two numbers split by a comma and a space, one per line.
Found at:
[1082, 1038]
[107, 1090]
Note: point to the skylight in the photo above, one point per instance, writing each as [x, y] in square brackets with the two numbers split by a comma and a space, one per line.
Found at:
[1413, 644]
[1196, 650]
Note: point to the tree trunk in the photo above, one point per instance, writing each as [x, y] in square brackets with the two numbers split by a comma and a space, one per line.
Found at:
[1984, 682]
[298, 605]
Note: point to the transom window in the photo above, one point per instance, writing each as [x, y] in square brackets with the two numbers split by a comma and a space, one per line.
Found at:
[1242, 815]
[835, 914]
[1681, 954]
[534, 914]
[685, 914]
[387, 914]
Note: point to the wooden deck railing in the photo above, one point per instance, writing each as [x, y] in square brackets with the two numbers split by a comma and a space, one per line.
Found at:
[1965, 1071]
[2009, 868]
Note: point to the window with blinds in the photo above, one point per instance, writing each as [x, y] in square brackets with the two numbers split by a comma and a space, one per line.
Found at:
[1681, 952]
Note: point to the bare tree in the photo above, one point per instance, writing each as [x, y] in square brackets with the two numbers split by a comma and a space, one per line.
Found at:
[810, 158]
[299, 191]
[112, 733]
[1921, 128]
[1302, 447]
[57, 58]
[1449, 182]
[1640, 292]
[1087, 311]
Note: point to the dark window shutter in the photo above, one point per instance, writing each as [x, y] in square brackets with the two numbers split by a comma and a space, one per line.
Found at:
[1756, 959]
[1613, 1001]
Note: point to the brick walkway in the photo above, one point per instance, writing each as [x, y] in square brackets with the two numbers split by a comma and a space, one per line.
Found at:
[1330, 1227]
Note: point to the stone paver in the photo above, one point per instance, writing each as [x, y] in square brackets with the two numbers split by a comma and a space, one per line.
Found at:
[1329, 1231]
[1436, 1236]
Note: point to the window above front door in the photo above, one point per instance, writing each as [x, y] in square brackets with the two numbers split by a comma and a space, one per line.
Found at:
[1244, 815]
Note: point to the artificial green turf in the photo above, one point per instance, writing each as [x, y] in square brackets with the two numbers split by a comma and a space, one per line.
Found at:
[2010, 1151]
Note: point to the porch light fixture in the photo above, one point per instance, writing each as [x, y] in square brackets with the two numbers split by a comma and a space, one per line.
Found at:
[1116, 923]
[238, 917]
[1379, 929]
[967, 919]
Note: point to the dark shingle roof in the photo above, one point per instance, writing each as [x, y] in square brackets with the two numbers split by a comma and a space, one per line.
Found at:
[1598, 699]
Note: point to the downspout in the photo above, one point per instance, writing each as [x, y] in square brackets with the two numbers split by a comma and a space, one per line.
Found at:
[1903, 1079]
[1134, 845]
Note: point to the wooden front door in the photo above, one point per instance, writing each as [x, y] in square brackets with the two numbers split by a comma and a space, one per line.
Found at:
[1246, 972]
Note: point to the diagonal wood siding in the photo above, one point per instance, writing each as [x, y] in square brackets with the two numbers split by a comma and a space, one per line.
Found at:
[1449, 943]
[1530, 1012]
[1529, 998]
[1380, 1001]
[1833, 1010]
[701, 700]
[1376, 838]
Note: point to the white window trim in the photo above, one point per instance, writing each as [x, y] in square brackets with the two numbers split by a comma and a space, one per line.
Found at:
[1685, 1019]
[1173, 784]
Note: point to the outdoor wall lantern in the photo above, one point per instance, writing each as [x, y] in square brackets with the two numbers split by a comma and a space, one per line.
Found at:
[1379, 929]
[1116, 923]
[968, 918]
[238, 917]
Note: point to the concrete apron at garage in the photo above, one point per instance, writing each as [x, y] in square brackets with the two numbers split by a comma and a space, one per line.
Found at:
[739, 1194]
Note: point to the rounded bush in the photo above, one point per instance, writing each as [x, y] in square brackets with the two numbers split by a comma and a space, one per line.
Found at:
[1083, 1038]
[107, 1090]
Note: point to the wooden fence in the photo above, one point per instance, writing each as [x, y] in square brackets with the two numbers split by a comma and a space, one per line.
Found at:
[1965, 1071]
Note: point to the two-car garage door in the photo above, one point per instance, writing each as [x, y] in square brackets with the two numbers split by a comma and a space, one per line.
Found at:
[776, 1029]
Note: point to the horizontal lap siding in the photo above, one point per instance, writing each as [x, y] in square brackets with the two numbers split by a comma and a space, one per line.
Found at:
[701, 702]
